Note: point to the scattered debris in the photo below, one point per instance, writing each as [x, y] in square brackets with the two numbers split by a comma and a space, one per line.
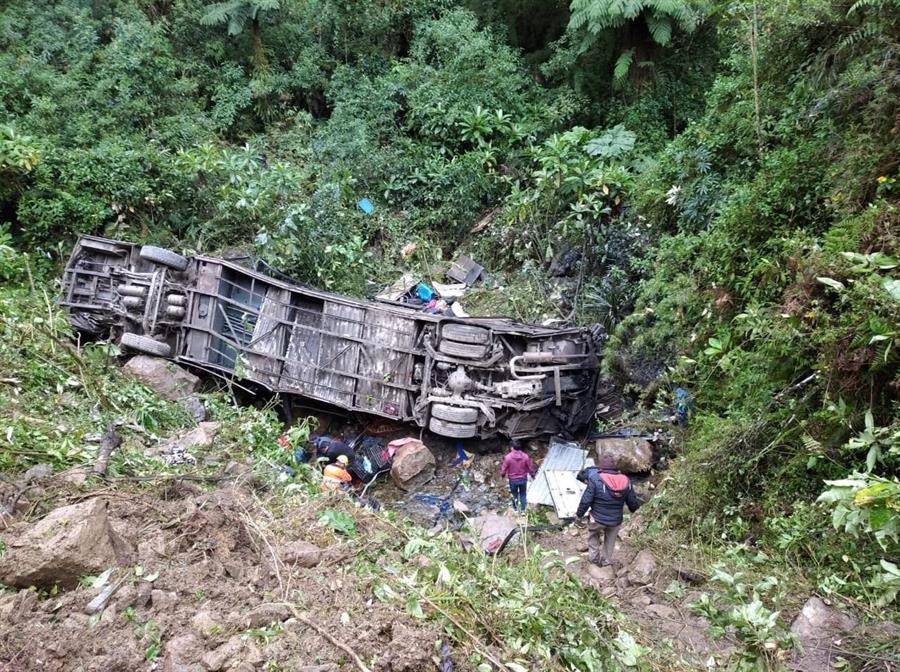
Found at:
[68, 543]
[493, 530]
[565, 491]
[562, 456]
[465, 270]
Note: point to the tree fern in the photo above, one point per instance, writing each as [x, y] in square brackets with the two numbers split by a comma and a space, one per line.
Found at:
[596, 19]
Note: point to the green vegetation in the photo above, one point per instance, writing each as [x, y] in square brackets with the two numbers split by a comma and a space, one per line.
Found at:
[720, 179]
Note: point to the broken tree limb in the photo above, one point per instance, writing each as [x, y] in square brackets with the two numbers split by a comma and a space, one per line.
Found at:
[111, 440]
[477, 643]
[324, 633]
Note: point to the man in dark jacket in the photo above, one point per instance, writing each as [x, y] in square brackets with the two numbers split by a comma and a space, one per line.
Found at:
[607, 493]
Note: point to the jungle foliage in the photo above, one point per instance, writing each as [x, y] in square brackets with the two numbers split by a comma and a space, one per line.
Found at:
[716, 183]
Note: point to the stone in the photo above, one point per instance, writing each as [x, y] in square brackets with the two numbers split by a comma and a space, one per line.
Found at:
[460, 507]
[302, 554]
[265, 614]
[642, 569]
[215, 660]
[201, 436]
[632, 455]
[37, 472]
[206, 624]
[492, 530]
[165, 378]
[66, 544]
[195, 408]
[413, 464]
[603, 575]
[182, 654]
[662, 611]
[816, 627]
[163, 600]
[75, 476]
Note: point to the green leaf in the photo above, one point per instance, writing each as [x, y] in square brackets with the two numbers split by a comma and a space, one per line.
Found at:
[831, 282]
[892, 287]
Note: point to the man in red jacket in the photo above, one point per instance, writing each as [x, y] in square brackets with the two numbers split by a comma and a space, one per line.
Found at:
[517, 467]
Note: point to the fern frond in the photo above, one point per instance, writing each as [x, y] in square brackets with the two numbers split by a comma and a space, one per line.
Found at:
[660, 27]
[810, 444]
[623, 65]
[216, 13]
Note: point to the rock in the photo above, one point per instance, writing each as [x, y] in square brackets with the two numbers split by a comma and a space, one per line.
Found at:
[460, 507]
[642, 569]
[691, 576]
[206, 623]
[66, 544]
[201, 436]
[602, 575]
[195, 407]
[265, 614]
[492, 530]
[18, 606]
[183, 654]
[75, 476]
[413, 464]
[661, 611]
[165, 378]
[816, 627]
[302, 554]
[632, 455]
[215, 660]
[37, 472]
[234, 569]
[163, 600]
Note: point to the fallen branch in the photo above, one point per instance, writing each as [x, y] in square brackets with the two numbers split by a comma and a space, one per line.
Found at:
[475, 641]
[324, 633]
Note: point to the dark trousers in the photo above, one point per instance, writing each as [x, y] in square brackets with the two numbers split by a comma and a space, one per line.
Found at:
[517, 489]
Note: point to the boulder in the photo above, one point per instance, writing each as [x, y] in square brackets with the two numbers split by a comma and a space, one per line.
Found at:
[816, 628]
[68, 543]
[632, 455]
[165, 378]
[413, 464]
[642, 569]
[302, 554]
[492, 530]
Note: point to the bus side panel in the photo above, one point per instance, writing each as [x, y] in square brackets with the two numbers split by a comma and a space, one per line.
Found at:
[382, 365]
[263, 355]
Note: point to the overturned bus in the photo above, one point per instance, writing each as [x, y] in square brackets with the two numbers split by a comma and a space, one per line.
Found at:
[460, 377]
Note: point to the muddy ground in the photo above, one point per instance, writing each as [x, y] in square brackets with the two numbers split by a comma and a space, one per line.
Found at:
[215, 572]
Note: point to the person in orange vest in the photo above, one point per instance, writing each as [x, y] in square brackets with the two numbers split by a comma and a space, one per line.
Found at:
[335, 476]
